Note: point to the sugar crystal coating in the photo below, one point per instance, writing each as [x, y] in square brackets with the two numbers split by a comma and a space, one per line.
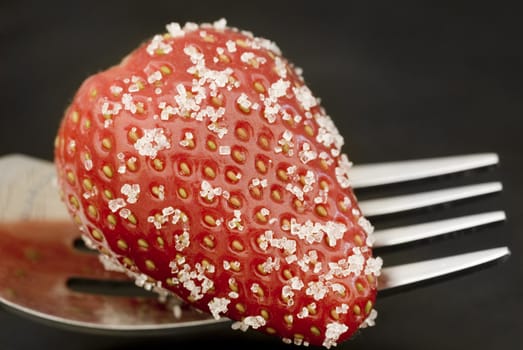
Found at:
[203, 166]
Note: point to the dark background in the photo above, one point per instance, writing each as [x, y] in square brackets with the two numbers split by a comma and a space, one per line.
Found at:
[400, 81]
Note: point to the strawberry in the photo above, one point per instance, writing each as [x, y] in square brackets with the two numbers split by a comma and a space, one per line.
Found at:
[204, 167]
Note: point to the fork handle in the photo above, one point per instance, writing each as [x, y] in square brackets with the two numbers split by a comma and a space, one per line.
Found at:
[28, 190]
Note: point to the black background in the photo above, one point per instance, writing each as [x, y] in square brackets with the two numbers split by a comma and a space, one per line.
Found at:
[400, 81]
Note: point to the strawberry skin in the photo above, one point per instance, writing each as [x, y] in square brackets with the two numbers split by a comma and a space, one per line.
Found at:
[204, 167]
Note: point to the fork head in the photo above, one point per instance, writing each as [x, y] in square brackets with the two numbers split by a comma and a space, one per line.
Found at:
[38, 261]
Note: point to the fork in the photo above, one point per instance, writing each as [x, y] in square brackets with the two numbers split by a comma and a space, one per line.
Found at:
[46, 273]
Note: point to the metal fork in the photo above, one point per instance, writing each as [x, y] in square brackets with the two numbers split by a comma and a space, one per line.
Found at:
[43, 269]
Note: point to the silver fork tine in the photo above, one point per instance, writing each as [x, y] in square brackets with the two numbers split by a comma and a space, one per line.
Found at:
[367, 175]
[21, 172]
[405, 234]
[389, 205]
[29, 181]
[406, 274]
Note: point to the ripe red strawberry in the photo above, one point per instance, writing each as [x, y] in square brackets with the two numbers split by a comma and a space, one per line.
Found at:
[205, 167]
